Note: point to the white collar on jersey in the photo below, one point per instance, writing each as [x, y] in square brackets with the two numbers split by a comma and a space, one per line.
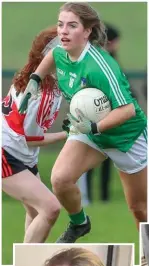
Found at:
[56, 42]
[86, 48]
[84, 52]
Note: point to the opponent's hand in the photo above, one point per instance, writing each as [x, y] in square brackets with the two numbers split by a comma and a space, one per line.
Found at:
[66, 125]
[82, 123]
[70, 129]
[30, 91]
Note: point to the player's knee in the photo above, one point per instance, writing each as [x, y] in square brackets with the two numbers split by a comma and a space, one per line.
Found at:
[60, 182]
[54, 213]
[52, 210]
[31, 214]
[139, 210]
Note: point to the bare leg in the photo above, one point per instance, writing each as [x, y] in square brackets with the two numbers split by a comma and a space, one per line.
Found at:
[31, 213]
[74, 159]
[38, 230]
[25, 187]
[135, 189]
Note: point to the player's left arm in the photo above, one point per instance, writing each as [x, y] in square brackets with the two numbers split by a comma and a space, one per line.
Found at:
[122, 106]
[121, 101]
[117, 117]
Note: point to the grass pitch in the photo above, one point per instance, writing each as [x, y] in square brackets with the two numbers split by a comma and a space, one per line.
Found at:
[111, 222]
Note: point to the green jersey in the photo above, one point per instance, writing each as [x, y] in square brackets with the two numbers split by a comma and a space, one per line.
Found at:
[95, 68]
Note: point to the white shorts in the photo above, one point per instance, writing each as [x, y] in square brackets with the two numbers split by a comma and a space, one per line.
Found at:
[132, 161]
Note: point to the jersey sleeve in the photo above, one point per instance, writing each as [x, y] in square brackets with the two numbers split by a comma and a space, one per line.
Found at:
[32, 126]
[55, 52]
[113, 82]
[37, 113]
[57, 99]
[119, 90]
[10, 112]
[58, 52]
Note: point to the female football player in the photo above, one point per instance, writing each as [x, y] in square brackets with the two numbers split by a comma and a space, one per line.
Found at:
[145, 244]
[22, 136]
[74, 257]
[81, 61]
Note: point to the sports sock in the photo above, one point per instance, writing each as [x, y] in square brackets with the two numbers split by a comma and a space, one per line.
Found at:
[78, 218]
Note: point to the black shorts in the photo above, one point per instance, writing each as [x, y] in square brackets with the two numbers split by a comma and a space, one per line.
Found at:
[12, 166]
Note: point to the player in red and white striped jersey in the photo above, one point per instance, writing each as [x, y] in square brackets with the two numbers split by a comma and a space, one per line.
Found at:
[23, 134]
[29, 127]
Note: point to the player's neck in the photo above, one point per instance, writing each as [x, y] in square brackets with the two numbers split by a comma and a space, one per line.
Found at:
[75, 54]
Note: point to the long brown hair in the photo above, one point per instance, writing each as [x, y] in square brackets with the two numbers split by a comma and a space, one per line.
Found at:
[89, 19]
[74, 257]
[35, 56]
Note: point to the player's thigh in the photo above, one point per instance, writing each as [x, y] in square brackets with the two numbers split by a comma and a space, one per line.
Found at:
[30, 210]
[76, 158]
[132, 161]
[135, 187]
[27, 188]
[132, 166]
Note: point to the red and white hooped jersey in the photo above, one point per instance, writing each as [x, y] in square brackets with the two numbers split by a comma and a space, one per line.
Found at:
[18, 128]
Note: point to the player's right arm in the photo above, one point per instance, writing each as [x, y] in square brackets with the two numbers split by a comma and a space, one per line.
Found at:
[49, 138]
[46, 66]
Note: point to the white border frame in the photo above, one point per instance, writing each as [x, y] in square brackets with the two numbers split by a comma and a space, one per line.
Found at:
[75, 245]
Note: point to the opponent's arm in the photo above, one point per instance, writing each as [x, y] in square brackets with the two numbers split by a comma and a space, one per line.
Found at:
[49, 138]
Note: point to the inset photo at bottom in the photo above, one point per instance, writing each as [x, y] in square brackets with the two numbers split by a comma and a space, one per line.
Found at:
[144, 244]
[73, 255]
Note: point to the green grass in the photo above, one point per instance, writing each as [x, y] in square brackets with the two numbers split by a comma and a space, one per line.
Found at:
[111, 222]
[22, 21]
